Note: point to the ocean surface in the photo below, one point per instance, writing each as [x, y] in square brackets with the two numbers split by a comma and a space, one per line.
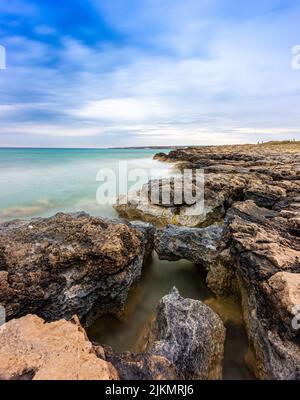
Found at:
[41, 182]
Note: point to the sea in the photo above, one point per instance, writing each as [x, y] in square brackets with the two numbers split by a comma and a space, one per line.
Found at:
[42, 182]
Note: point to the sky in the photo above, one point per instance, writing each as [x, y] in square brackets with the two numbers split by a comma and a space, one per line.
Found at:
[101, 73]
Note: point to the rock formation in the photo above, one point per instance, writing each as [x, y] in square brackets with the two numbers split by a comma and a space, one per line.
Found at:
[33, 349]
[56, 267]
[190, 335]
[247, 237]
[186, 342]
[206, 247]
[263, 236]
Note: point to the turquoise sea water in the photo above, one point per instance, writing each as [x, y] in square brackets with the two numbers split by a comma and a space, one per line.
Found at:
[41, 182]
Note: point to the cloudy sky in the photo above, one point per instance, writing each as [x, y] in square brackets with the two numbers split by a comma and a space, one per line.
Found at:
[84, 73]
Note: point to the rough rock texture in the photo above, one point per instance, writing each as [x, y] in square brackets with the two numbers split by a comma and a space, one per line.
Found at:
[268, 255]
[258, 190]
[284, 291]
[33, 349]
[190, 335]
[205, 247]
[265, 174]
[220, 191]
[67, 264]
[186, 341]
[144, 366]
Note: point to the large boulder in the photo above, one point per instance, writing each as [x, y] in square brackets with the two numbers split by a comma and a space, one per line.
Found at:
[214, 194]
[56, 267]
[206, 247]
[190, 335]
[33, 349]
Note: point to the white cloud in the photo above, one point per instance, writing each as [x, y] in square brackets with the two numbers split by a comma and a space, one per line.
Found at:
[123, 109]
[194, 84]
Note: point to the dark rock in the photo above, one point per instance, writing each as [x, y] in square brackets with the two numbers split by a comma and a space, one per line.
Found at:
[190, 335]
[144, 366]
[68, 264]
[206, 247]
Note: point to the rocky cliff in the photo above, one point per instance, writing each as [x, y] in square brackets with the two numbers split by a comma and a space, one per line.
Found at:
[70, 264]
[247, 237]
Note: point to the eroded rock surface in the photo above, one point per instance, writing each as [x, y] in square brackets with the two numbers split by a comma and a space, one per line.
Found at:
[190, 335]
[206, 247]
[186, 341]
[254, 190]
[33, 349]
[268, 264]
[56, 267]
[220, 191]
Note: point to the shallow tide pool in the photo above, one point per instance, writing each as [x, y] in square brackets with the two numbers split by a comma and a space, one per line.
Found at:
[126, 332]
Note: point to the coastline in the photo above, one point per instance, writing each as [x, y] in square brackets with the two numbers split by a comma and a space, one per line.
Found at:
[247, 241]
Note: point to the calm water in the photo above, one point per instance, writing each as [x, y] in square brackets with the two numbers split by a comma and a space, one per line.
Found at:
[41, 182]
[126, 332]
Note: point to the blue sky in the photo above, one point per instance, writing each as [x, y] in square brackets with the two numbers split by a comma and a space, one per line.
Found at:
[84, 73]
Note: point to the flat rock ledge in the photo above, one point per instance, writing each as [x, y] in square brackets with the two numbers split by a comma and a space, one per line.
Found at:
[70, 264]
[185, 342]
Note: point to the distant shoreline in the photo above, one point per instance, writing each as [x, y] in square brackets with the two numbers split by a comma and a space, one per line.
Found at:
[188, 146]
[97, 148]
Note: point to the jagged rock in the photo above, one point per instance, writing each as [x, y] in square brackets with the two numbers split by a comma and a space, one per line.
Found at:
[66, 264]
[283, 290]
[33, 349]
[144, 366]
[186, 342]
[199, 245]
[205, 247]
[263, 241]
[265, 250]
[219, 192]
[282, 157]
[190, 335]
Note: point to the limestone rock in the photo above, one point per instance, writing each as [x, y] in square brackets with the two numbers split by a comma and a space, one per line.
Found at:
[206, 247]
[144, 366]
[284, 291]
[56, 267]
[268, 261]
[33, 349]
[190, 335]
[258, 190]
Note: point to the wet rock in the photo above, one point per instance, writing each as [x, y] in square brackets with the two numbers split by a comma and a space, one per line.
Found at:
[190, 335]
[66, 264]
[33, 349]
